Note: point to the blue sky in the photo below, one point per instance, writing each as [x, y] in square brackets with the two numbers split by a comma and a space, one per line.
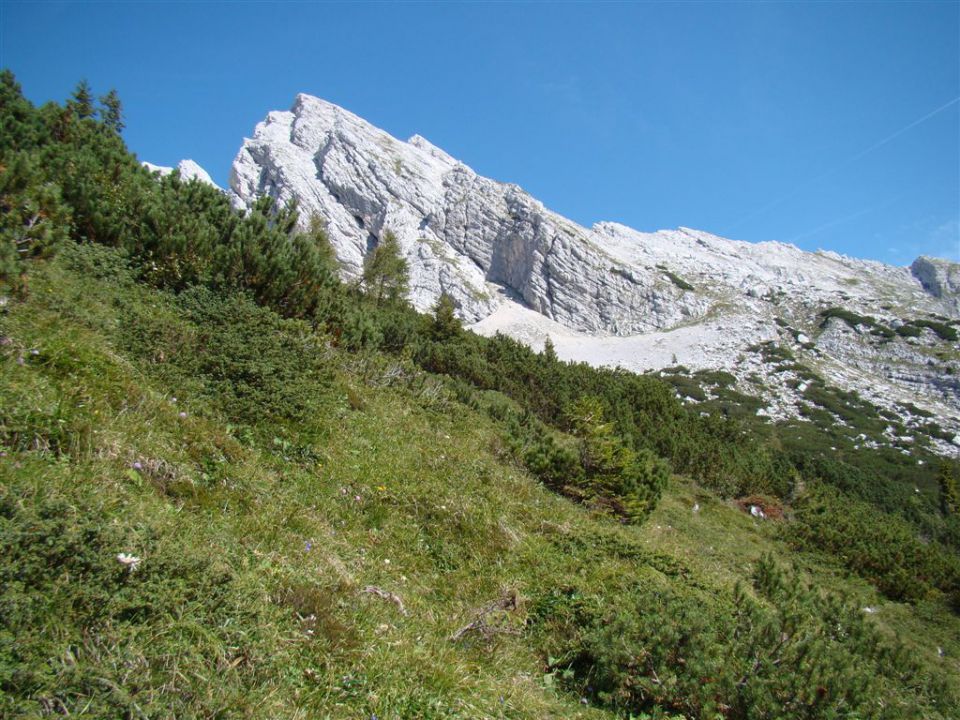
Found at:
[831, 125]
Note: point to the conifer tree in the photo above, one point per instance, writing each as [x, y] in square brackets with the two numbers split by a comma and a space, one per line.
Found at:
[549, 351]
[949, 489]
[386, 273]
[82, 100]
[111, 111]
[33, 220]
[446, 325]
[633, 479]
[19, 128]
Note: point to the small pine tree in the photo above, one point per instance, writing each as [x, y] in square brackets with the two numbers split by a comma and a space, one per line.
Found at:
[549, 351]
[111, 112]
[601, 450]
[446, 325]
[19, 128]
[614, 471]
[33, 219]
[949, 489]
[82, 100]
[386, 273]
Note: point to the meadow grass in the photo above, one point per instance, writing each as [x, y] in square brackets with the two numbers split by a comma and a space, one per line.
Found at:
[371, 551]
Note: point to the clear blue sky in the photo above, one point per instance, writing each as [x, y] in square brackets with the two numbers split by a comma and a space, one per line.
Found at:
[803, 122]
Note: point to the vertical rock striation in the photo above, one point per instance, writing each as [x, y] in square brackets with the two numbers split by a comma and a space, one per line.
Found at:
[609, 294]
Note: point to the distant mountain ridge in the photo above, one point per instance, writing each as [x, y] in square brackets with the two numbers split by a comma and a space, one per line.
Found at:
[611, 295]
[188, 169]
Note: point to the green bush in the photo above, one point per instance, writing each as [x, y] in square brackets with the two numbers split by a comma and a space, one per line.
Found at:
[678, 281]
[880, 547]
[258, 367]
[557, 466]
[771, 352]
[943, 331]
[33, 219]
[852, 319]
[787, 651]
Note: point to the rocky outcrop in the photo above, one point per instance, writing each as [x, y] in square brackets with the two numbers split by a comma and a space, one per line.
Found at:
[188, 169]
[465, 235]
[940, 278]
[609, 294]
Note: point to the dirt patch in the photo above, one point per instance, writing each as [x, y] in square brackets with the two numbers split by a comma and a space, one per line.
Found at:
[761, 506]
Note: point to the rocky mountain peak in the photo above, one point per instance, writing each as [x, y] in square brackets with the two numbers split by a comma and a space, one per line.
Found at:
[607, 294]
[420, 142]
[188, 169]
[940, 278]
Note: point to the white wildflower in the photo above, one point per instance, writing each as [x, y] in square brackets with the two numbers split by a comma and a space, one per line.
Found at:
[131, 562]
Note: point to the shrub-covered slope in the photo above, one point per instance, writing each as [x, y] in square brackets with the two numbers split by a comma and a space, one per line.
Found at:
[348, 542]
[232, 487]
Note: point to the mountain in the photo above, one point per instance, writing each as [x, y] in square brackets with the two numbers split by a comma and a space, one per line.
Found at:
[233, 486]
[188, 169]
[612, 295]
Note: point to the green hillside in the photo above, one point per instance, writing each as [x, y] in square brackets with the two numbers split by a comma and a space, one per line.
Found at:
[232, 486]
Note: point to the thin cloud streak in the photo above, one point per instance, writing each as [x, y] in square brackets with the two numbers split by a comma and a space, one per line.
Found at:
[838, 221]
[853, 158]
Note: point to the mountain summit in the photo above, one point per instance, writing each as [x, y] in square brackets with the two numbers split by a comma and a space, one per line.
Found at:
[611, 295]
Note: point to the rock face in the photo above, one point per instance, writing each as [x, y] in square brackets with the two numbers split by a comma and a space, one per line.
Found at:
[463, 234]
[189, 170]
[609, 294]
[940, 278]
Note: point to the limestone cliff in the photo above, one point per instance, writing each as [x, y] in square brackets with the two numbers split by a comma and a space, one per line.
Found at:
[609, 294]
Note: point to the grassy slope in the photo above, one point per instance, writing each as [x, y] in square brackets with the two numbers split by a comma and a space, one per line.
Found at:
[257, 549]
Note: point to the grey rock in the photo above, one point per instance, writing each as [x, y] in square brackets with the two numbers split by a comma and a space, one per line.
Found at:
[608, 295]
[188, 169]
[940, 278]
[463, 234]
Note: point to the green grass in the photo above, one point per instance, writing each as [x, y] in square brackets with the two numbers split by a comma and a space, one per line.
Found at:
[267, 482]
[229, 612]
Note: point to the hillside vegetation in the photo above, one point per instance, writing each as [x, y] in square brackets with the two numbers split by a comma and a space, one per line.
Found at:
[233, 486]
